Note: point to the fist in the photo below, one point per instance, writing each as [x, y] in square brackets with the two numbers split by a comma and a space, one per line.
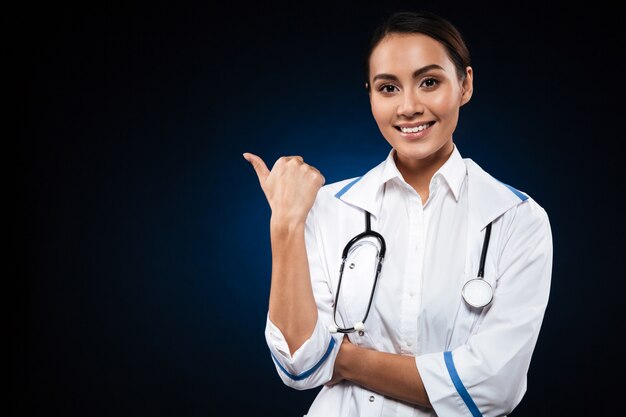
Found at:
[290, 187]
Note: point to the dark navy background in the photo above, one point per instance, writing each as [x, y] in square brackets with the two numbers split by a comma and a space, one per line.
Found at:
[144, 258]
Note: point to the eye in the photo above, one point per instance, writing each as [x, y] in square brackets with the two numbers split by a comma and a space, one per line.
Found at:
[430, 83]
[386, 88]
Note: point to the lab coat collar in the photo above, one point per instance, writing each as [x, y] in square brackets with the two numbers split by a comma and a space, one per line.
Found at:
[365, 192]
[488, 198]
[389, 168]
[453, 171]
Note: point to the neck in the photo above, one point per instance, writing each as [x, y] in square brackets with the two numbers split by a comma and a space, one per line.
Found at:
[418, 172]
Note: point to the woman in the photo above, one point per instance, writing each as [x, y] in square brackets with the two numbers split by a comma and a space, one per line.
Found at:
[417, 339]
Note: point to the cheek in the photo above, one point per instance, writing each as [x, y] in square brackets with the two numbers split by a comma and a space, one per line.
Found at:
[381, 110]
[445, 104]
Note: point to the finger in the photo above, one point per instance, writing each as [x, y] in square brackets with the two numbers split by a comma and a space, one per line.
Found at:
[286, 159]
[320, 174]
[332, 382]
[298, 157]
[259, 166]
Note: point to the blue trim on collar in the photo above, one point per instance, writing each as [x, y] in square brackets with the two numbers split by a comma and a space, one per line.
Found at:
[346, 188]
[305, 374]
[515, 191]
[458, 384]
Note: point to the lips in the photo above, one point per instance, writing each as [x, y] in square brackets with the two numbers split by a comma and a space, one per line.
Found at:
[414, 127]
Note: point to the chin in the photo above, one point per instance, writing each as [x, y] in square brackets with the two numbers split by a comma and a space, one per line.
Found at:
[415, 154]
[419, 150]
[425, 152]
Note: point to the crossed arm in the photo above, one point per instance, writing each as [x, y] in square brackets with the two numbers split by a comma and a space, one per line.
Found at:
[388, 374]
[290, 189]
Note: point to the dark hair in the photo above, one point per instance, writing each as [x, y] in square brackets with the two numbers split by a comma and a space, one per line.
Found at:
[428, 24]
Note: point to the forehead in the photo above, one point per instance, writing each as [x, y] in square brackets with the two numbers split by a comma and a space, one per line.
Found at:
[404, 53]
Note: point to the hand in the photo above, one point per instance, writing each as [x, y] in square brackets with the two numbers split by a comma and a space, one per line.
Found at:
[290, 188]
[344, 351]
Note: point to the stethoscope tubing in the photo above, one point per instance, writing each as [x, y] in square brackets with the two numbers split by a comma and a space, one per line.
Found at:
[471, 287]
[344, 256]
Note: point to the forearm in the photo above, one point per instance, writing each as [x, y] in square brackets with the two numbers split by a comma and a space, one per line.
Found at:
[388, 374]
[292, 305]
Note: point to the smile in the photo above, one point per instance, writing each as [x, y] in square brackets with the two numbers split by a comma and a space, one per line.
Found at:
[414, 129]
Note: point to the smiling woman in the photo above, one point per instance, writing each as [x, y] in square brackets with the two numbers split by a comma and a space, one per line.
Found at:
[417, 109]
[369, 285]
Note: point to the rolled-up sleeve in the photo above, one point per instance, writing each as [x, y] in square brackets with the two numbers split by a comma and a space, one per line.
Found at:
[312, 364]
[487, 375]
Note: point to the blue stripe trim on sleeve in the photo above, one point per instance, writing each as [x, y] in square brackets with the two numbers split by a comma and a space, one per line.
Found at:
[458, 384]
[346, 188]
[305, 374]
[515, 191]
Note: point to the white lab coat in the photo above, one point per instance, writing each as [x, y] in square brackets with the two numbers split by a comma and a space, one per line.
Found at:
[472, 361]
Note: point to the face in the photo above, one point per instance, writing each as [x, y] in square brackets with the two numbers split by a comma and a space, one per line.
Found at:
[415, 96]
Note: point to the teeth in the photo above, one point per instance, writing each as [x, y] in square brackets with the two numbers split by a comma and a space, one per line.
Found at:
[414, 129]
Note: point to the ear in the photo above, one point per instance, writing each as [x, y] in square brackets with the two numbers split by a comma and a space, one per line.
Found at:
[467, 86]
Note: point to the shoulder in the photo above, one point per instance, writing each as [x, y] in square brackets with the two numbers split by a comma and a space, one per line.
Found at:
[338, 188]
[523, 210]
[329, 194]
[486, 179]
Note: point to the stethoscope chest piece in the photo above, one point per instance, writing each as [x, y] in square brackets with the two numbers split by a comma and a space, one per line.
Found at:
[477, 292]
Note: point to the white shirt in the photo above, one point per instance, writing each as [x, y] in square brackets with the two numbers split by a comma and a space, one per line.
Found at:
[472, 361]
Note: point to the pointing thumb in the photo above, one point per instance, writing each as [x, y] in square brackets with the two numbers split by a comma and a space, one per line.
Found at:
[259, 166]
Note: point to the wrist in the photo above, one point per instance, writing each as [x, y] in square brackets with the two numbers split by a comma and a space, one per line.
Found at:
[285, 225]
[347, 360]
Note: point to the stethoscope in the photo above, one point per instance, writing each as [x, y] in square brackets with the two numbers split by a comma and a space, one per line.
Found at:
[476, 292]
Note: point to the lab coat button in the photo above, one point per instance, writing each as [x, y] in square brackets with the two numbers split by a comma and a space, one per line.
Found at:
[352, 266]
[372, 398]
[361, 332]
[409, 343]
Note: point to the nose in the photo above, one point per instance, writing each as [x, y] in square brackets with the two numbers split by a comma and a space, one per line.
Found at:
[410, 104]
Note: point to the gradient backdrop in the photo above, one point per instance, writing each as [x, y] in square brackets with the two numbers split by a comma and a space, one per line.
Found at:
[143, 233]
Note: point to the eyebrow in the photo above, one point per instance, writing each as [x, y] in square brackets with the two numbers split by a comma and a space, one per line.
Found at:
[416, 74]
